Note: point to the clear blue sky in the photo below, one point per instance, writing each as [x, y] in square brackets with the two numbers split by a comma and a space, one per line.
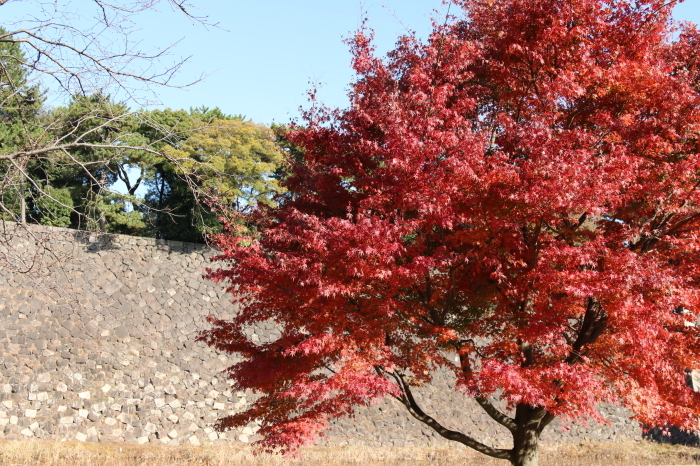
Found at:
[260, 61]
[261, 66]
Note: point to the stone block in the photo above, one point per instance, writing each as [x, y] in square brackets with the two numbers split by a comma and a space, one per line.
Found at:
[695, 380]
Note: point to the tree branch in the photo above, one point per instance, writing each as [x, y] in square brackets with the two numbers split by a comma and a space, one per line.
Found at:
[594, 323]
[495, 414]
[72, 145]
[546, 420]
[409, 402]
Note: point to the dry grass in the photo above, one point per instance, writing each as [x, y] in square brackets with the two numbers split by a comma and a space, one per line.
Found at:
[38, 453]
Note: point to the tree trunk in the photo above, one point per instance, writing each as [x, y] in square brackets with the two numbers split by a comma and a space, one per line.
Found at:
[23, 210]
[525, 447]
[22, 200]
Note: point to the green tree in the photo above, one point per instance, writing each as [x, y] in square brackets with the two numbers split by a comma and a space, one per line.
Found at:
[20, 100]
[38, 157]
[169, 206]
[20, 106]
[235, 159]
[208, 155]
[96, 129]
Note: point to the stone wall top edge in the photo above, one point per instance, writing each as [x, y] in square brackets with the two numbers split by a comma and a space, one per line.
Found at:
[90, 236]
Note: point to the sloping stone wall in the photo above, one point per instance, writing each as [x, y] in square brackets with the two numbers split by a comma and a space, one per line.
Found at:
[97, 344]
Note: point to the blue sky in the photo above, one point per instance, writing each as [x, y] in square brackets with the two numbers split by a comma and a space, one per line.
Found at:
[261, 59]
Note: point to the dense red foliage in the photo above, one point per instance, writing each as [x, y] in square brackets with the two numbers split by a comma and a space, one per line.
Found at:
[521, 191]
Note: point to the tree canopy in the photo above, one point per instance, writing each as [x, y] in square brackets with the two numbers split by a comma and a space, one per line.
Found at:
[20, 108]
[219, 156]
[518, 192]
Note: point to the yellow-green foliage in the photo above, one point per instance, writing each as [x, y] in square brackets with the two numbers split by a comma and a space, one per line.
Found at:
[236, 159]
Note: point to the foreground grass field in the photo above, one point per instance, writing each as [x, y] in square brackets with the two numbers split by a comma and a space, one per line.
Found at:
[38, 453]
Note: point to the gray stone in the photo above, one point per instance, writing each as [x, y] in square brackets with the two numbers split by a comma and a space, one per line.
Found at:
[121, 332]
[140, 303]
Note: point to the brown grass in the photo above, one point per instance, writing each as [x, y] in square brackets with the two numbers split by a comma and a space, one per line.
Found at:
[40, 453]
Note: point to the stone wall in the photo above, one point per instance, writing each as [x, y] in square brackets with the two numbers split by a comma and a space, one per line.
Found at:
[97, 344]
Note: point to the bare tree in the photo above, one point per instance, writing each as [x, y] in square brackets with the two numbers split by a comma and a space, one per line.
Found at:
[61, 51]
[88, 54]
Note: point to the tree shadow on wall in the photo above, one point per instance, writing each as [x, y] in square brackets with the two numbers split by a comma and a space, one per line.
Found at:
[96, 241]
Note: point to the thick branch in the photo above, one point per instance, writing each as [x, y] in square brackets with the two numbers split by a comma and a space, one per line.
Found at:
[527, 415]
[594, 322]
[483, 401]
[495, 414]
[409, 402]
[135, 187]
[528, 354]
[546, 420]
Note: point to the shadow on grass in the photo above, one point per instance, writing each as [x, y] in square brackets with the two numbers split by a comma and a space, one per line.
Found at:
[673, 436]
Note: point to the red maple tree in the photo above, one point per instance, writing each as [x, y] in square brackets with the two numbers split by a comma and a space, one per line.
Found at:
[520, 191]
